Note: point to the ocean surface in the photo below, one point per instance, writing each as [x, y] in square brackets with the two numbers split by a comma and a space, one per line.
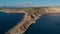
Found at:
[8, 21]
[47, 24]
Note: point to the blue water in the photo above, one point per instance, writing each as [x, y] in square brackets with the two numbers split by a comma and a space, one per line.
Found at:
[8, 21]
[47, 24]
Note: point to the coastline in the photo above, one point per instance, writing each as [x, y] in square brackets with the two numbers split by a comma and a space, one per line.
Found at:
[31, 15]
[22, 27]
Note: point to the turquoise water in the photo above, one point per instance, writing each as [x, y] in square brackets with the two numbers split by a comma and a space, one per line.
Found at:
[47, 24]
[8, 21]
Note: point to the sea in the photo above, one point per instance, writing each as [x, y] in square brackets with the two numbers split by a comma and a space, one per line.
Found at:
[9, 20]
[47, 24]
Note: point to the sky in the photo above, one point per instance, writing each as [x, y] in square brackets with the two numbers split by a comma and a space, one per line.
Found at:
[29, 3]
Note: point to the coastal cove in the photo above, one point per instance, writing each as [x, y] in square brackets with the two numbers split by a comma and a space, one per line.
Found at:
[9, 20]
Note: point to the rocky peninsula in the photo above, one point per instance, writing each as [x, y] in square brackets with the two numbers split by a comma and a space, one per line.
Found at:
[31, 15]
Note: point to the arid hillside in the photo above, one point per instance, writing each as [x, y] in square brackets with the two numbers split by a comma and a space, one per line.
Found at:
[53, 10]
[30, 10]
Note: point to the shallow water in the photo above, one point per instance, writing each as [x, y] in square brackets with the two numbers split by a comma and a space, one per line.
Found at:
[8, 21]
[47, 24]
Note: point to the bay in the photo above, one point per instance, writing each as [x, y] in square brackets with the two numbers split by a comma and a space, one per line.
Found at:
[9, 20]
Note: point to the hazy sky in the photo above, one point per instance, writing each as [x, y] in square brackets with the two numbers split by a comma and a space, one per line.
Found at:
[28, 3]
